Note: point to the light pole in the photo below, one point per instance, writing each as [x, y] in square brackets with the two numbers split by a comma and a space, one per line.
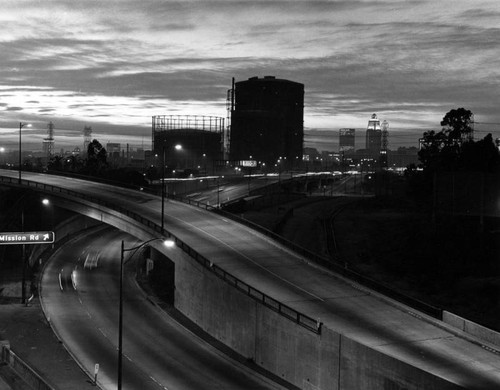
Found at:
[167, 243]
[218, 192]
[21, 125]
[163, 189]
[23, 281]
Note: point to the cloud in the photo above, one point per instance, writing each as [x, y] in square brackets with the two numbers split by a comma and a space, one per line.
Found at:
[119, 62]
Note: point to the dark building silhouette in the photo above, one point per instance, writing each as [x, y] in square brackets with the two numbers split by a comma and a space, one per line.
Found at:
[267, 121]
[347, 139]
[198, 139]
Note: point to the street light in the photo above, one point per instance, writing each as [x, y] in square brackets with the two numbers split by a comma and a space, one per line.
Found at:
[21, 125]
[168, 243]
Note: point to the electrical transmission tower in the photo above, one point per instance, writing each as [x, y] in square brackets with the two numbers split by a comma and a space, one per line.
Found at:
[48, 143]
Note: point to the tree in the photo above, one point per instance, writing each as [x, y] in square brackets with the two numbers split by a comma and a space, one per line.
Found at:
[480, 156]
[55, 163]
[458, 124]
[96, 157]
[440, 151]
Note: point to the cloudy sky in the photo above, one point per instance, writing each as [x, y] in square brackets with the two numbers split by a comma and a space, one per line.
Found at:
[112, 64]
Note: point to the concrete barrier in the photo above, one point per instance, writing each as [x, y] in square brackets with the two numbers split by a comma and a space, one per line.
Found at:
[22, 369]
[476, 330]
[363, 368]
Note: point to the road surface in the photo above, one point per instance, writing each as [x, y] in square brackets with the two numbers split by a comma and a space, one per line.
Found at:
[80, 295]
[342, 306]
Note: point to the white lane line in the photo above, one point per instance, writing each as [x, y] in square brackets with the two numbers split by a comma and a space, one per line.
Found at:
[158, 383]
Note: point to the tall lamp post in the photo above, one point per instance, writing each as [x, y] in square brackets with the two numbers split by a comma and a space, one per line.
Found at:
[163, 189]
[21, 125]
[23, 281]
[167, 243]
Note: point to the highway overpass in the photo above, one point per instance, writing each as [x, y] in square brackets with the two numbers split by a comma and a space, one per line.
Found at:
[299, 321]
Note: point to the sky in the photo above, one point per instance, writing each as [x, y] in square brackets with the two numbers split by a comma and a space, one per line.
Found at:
[113, 64]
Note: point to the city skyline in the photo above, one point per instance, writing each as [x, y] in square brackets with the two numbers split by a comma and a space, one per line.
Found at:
[113, 65]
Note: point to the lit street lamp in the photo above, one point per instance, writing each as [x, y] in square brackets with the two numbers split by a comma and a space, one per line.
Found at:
[21, 125]
[167, 243]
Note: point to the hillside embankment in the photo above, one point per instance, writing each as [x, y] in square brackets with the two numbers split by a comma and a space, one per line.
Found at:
[449, 262]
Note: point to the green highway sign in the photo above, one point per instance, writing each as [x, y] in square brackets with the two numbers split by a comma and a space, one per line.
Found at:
[27, 238]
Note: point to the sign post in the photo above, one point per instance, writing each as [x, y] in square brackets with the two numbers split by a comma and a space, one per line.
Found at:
[96, 370]
[23, 238]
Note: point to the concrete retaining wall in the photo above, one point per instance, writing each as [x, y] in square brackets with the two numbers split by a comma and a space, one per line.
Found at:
[291, 352]
[363, 368]
[483, 333]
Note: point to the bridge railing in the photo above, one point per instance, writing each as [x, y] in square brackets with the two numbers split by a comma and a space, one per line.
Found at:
[266, 300]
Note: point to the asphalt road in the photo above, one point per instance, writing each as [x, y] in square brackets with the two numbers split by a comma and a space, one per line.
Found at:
[341, 305]
[80, 296]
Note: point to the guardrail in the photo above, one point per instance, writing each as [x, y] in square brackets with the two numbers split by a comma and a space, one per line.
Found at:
[271, 303]
[337, 265]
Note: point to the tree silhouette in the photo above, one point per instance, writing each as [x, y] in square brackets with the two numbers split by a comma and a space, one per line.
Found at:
[441, 151]
[96, 157]
[458, 124]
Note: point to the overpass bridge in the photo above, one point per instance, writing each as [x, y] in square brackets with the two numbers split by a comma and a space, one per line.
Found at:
[306, 324]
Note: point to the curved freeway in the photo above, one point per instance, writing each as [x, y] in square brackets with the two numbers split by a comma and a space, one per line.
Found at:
[80, 295]
[341, 305]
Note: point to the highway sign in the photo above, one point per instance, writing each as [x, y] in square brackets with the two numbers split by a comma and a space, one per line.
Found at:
[27, 238]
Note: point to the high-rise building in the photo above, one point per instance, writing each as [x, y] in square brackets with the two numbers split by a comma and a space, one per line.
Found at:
[87, 136]
[373, 135]
[347, 139]
[267, 121]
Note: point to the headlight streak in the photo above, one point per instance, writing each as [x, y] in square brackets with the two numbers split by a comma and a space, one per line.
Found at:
[73, 278]
[60, 279]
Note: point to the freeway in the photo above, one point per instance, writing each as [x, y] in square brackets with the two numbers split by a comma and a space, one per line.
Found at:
[342, 306]
[230, 189]
[80, 296]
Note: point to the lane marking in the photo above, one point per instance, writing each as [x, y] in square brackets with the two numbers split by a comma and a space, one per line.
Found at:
[158, 383]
